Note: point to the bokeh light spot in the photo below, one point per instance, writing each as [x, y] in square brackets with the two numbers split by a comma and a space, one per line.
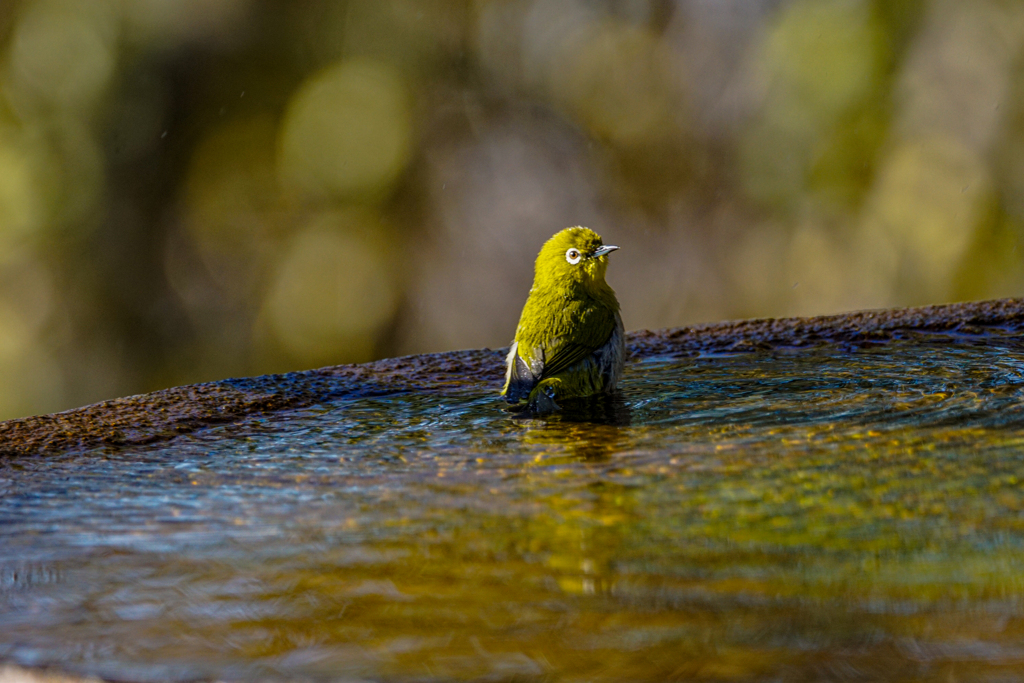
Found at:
[926, 208]
[27, 298]
[334, 291]
[817, 64]
[825, 54]
[347, 132]
[20, 210]
[621, 81]
[64, 52]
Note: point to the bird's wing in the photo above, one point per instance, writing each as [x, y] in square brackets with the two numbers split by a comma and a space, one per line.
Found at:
[562, 354]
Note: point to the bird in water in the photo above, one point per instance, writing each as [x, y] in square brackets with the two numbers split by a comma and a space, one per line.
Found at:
[569, 342]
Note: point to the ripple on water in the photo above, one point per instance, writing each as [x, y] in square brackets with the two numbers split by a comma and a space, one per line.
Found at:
[796, 514]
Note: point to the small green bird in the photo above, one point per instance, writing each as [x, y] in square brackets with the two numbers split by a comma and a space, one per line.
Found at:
[569, 341]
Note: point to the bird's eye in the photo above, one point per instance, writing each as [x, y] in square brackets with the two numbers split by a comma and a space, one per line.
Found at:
[573, 256]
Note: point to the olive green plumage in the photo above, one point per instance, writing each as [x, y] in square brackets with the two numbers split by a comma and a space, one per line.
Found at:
[569, 341]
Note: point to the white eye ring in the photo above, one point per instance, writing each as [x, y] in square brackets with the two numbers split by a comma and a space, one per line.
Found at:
[573, 256]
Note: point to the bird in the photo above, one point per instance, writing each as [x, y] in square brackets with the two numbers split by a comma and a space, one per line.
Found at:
[569, 342]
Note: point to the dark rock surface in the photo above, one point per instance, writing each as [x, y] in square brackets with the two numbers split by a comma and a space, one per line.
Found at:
[163, 414]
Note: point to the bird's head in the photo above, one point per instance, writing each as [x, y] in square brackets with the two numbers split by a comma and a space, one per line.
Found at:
[572, 258]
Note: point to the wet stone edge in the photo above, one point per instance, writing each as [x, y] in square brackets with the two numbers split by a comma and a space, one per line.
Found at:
[160, 415]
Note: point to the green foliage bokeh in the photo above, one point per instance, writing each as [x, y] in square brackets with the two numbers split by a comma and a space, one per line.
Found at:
[203, 189]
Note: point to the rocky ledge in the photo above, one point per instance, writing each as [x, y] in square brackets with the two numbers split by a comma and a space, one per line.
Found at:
[163, 414]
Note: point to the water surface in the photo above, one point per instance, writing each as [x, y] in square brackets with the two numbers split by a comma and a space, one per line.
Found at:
[828, 514]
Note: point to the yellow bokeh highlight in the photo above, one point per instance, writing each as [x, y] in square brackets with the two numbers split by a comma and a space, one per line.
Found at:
[819, 61]
[347, 132]
[64, 52]
[924, 212]
[27, 302]
[21, 212]
[823, 55]
[335, 290]
[620, 81]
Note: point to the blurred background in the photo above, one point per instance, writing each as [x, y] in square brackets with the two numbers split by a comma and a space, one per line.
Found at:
[199, 189]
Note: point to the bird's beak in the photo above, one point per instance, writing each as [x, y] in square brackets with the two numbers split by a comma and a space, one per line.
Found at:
[606, 249]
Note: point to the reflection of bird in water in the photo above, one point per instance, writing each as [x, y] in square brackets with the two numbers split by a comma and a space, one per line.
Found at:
[604, 409]
[569, 342]
[579, 432]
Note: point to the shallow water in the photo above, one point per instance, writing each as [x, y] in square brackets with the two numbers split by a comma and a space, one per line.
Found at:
[829, 514]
